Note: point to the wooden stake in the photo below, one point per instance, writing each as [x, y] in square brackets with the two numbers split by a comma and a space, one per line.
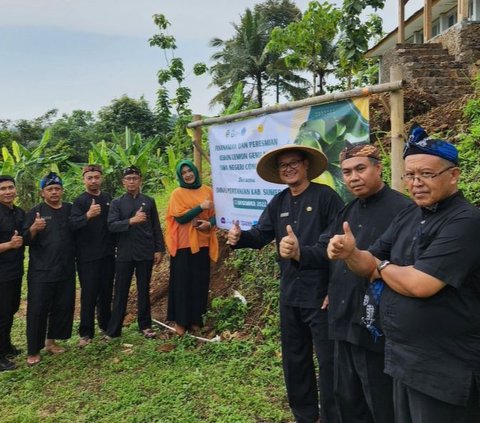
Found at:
[398, 130]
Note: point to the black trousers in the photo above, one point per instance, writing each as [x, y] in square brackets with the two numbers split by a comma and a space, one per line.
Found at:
[412, 406]
[188, 287]
[123, 279]
[363, 391]
[50, 308]
[9, 304]
[96, 281]
[304, 330]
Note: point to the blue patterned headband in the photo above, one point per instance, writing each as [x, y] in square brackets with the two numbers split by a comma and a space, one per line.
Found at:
[51, 179]
[419, 142]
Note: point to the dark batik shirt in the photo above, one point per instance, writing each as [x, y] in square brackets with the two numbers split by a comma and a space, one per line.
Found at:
[433, 344]
[309, 215]
[11, 261]
[51, 251]
[368, 219]
[93, 239]
[135, 242]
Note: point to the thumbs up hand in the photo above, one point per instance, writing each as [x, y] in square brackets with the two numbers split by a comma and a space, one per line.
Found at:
[38, 224]
[234, 233]
[94, 210]
[16, 241]
[140, 217]
[341, 247]
[289, 247]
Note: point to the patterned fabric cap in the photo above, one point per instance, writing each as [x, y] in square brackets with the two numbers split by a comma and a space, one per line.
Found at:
[419, 142]
[359, 150]
[51, 179]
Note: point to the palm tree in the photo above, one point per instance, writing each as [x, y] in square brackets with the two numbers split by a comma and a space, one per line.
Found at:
[245, 59]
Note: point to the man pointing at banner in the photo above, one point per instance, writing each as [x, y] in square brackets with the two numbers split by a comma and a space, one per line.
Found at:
[308, 208]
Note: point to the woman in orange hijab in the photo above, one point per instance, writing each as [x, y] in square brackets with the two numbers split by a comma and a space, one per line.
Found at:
[192, 243]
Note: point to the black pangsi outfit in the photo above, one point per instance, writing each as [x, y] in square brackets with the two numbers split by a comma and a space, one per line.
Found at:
[136, 246]
[51, 277]
[432, 347]
[95, 261]
[11, 273]
[362, 390]
[304, 326]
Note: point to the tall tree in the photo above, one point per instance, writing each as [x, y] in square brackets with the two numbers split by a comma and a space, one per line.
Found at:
[126, 112]
[308, 43]
[244, 58]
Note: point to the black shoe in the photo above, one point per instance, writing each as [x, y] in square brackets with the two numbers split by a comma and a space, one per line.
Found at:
[6, 364]
[13, 351]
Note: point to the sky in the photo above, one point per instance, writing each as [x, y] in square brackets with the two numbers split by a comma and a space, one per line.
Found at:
[82, 54]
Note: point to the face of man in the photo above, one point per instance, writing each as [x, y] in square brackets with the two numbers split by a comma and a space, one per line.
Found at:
[132, 183]
[362, 176]
[292, 168]
[8, 192]
[187, 175]
[92, 181]
[52, 194]
[430, 179]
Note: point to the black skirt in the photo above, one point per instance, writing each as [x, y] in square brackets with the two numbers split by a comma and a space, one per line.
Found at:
[188, 288]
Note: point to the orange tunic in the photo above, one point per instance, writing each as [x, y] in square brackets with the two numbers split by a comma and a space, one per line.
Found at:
[185, 235]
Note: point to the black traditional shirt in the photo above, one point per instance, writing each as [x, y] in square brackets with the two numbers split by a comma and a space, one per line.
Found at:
[135, 242]
[93, 239]
[52, 251]
[309, 215]
[433, 344]
[11, 261]
[368, 219]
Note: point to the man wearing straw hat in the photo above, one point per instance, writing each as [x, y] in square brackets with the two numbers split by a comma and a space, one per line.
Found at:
[363, 391]
[308, 208]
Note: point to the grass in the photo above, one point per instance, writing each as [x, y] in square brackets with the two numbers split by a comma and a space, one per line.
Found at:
[130, 380]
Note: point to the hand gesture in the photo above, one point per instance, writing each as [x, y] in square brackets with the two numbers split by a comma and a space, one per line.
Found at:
[94, 210]
[140, 217]
[289, 247]
[38, 224]
[234, 233]
[203, 225]
[16, 241]
[206, 204]
[157, 258]
[341, 247]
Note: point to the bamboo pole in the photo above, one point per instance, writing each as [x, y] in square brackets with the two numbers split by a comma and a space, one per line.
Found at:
[397, 130]
[197, 142]
[401, 22]
[326, 98]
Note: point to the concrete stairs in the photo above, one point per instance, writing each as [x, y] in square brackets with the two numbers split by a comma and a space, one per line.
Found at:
[431, 68]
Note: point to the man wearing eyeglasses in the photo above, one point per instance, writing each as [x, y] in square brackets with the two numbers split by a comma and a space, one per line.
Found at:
[363, 391]
[95, 254]
[133, 218]
[308, 208]
[429, 259]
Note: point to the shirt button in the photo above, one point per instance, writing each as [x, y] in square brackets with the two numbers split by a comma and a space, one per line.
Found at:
[343, 301]
[294, 221]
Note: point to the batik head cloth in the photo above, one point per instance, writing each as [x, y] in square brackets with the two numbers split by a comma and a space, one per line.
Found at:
[419, 142]
[359, 150]
[51, 179]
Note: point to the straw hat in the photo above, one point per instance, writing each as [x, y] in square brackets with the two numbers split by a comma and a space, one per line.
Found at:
[267, 166]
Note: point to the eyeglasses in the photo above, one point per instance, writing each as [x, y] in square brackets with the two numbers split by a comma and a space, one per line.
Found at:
[426, 175]
[292, 165]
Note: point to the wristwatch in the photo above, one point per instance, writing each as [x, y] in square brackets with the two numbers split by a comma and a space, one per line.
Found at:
[382, 265]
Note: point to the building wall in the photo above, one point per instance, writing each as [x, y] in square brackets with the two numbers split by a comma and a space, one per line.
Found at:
[461, 41]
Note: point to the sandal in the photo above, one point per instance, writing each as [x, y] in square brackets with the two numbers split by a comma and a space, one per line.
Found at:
[149, 333]
[84, 341]
[53, 348]
[33, 360]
